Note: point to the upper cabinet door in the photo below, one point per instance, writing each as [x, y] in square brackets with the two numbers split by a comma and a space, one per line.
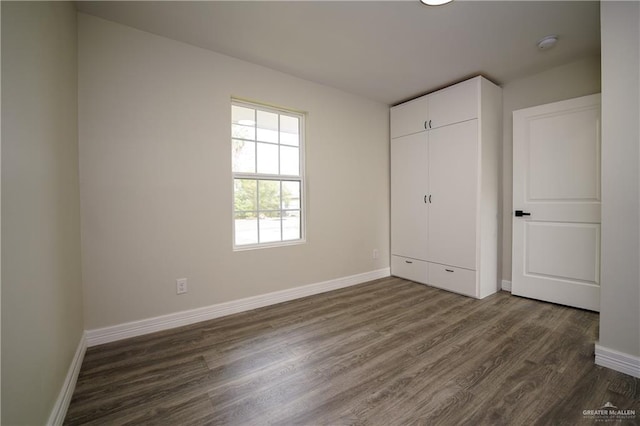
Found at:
[409, 117]
[454, 104]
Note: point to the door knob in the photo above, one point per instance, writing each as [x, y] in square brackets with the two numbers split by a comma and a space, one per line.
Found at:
[520, 213]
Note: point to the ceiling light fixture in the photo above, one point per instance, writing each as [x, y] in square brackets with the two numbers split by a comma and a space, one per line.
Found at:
[435, 2]
[547, 42]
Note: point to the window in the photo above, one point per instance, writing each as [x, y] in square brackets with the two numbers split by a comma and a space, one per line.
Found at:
[268, 175]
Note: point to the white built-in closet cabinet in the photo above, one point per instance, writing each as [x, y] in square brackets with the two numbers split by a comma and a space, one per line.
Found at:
[444, 188]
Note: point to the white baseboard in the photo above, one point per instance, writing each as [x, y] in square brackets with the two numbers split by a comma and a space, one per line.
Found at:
[624, 363]
[506, 285]
[178, 319]
[59, 411]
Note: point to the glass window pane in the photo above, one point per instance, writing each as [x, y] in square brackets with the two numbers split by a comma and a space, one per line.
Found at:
[289, 129]
[244, 156]
[243, 132]
[289, 161]
[267, 158]
[291, 195]
[270, 224]
[242, 115]
[266, 144]
[291, 225]
[289, 139]
[246, 229]
[267, 135]
[245, 195]
[267, 127]
[269, 191]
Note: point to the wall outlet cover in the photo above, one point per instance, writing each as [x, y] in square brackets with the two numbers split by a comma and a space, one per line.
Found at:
[181, 286]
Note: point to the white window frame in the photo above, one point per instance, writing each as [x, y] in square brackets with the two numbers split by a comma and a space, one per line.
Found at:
[272, 177]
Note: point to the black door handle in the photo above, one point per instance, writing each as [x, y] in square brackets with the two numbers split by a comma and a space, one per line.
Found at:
[520, 213]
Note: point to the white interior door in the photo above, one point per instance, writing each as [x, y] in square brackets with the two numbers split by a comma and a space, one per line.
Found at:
[408, 196]
[556, 188]
[453, 183]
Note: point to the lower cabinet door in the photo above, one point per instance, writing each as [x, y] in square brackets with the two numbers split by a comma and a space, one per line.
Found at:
[458, 280]
[410, 269]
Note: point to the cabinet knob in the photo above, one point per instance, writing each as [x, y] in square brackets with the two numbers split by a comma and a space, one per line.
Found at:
[425, 125]
[449, 270]
[429, 123]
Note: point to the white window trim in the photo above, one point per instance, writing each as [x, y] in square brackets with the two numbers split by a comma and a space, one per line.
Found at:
[263, 176]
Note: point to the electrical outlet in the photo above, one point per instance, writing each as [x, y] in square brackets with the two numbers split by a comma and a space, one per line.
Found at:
[375, 253]
[181, 286]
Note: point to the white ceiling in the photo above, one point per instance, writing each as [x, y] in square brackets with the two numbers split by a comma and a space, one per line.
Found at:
[388, 51]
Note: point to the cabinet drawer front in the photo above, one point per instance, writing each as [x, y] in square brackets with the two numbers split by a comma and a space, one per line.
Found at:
[458, 280]
[411, 269]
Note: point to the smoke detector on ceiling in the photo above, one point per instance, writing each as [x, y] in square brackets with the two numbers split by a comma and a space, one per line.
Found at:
[547, 42]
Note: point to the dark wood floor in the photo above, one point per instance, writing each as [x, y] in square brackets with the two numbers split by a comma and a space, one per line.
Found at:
[388, 352]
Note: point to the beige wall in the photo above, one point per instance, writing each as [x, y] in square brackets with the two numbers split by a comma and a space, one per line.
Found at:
[620, 275]
[565, 82]
[41, 281]
[156, 187]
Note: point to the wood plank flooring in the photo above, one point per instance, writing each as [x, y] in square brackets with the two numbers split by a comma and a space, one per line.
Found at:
[387, 352]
